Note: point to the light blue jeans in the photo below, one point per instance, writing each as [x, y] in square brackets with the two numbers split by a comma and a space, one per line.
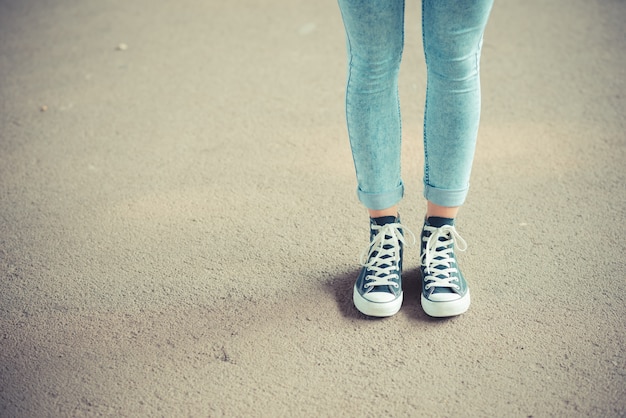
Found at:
[452, 37]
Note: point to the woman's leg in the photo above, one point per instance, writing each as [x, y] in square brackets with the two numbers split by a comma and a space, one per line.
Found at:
[453, 32]
[452, 36]
[375, 36]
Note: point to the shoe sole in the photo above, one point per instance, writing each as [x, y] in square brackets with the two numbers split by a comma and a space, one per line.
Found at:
[377, 309]
[445, 309]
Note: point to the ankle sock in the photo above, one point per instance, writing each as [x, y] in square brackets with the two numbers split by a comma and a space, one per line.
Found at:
[438, 222]
[384, 220]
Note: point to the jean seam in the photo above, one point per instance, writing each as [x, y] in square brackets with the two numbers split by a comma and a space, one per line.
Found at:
[349, 78]
[397, 84]
[425, 140]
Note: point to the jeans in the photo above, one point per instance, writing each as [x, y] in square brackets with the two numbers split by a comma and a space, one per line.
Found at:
[452, 33]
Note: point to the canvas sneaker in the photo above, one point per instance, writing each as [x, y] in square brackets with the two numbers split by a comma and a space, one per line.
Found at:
[444, 289]
[378, 288]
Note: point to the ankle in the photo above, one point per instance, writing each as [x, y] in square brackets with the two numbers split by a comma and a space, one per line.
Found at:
[441, 211]
[375, 213]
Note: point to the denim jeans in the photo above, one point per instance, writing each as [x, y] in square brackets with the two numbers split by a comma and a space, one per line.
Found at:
[452, 33]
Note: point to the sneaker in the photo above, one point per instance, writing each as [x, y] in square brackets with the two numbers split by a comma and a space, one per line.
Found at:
[444, 289]
[378, 289]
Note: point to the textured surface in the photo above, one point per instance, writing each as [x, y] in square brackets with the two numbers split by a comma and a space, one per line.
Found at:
[179, 230]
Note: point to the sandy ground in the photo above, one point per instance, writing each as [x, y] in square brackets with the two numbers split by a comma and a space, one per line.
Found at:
[179, 230]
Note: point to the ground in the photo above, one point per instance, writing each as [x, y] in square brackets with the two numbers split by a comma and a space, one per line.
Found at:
[179, 228]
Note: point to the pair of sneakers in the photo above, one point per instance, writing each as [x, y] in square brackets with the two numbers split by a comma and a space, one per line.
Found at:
[378, 288]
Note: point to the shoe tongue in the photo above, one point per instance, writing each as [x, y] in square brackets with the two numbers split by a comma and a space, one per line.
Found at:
[384, 220]
[381, 221]
[438, 222]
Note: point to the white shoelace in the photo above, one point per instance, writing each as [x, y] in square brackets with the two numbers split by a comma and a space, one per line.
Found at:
[438, 256]
[385, 261]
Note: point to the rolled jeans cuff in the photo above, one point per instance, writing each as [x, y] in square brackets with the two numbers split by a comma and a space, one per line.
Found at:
[445, 197]
[380, 201]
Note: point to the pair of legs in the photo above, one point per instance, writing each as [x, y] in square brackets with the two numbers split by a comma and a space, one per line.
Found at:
[452, 38]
